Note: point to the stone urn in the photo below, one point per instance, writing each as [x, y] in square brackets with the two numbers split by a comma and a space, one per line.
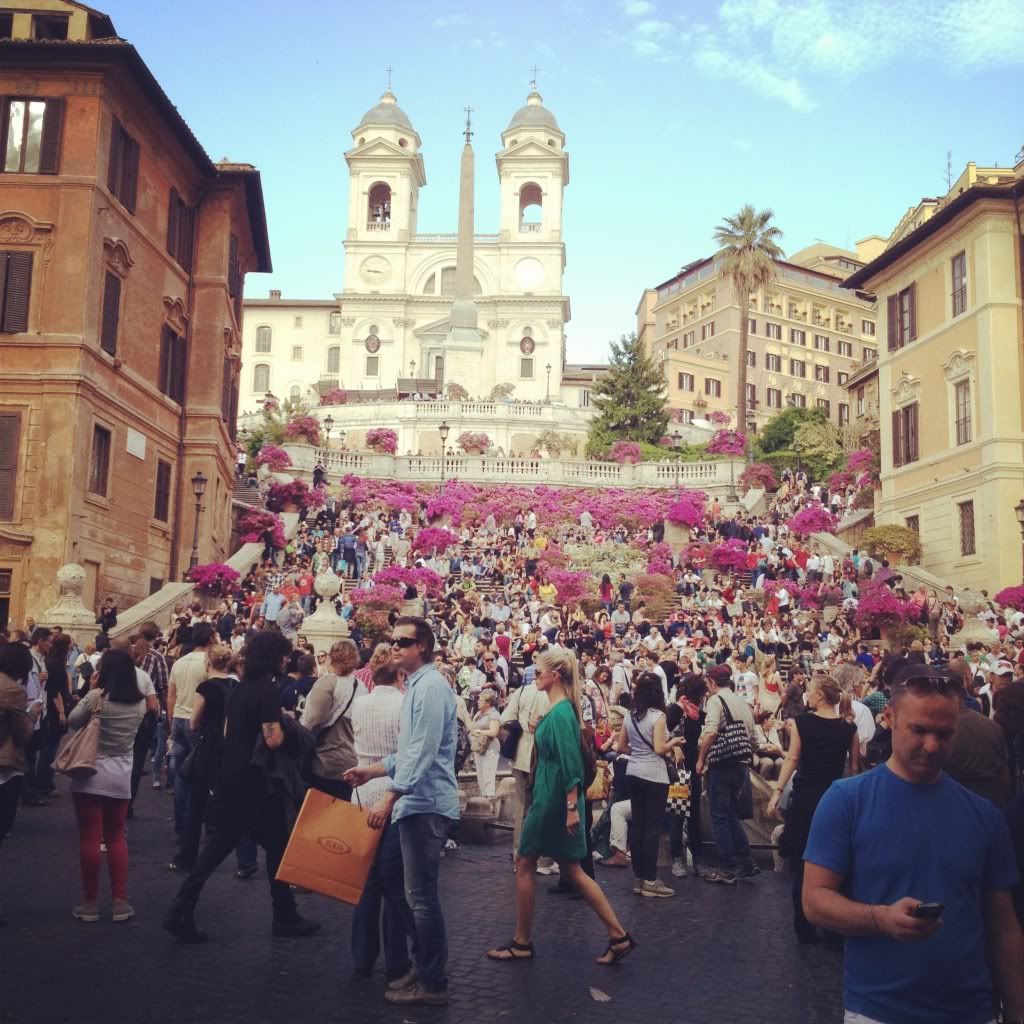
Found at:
[975, 630]
[325, 625]
[69, 612]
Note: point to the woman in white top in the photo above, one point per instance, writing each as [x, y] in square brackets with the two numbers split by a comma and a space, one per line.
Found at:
[484, 739]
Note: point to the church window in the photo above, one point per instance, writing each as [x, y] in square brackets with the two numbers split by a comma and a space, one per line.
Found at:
[438, 367]
[526, 345]
[295, 393]
[403, 143]
[334, 359]
[373, 366]
[334, 323]
[262, 339]
[430, 288]
[531, 204]
[379, 212]
[448, 281]
[261, 378]
[296, 352]
[526, 367]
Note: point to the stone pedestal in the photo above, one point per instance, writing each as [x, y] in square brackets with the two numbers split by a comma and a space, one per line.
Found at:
[325, 625]
[677, 536]
[69, 613]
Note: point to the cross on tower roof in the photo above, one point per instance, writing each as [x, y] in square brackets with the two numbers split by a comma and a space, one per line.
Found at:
[533, 76]
[469, 124]
[389, 69]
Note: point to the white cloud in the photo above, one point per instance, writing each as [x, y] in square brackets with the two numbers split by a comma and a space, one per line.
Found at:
[637, 8]
[749, 71]
[489, 41]
[652, 28]
[450, 21]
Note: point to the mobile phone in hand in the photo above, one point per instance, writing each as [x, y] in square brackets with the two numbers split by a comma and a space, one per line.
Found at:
[931, 911]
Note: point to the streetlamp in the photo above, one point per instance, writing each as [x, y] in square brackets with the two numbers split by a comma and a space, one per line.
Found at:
[412, 368]
[547, 396]
[1019, 509]
[341, 439]
[328, 425]
[198, 489]
[677, 440]
[443, 431]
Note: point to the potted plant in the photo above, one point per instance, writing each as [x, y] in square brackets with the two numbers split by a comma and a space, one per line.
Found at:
[336, 396]
[894, 543]
[275, 458]
[382, 440]
[303, 428]
[626, 453]
[727, 442]
[813, 518]
[474, 442]
[289, 497]
[1011, 597]
[758, 475]
[879, 608]
[213, 578]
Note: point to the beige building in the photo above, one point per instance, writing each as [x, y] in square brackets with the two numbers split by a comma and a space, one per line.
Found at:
[951, 378]
[807, 335]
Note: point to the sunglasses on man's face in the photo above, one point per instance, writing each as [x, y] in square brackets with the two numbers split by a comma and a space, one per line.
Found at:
[404, 641]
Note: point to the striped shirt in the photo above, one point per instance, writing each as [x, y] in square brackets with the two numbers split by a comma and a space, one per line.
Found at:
[375, 720]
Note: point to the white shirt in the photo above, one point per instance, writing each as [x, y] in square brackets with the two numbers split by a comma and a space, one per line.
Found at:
[375, 722]
[865, 722]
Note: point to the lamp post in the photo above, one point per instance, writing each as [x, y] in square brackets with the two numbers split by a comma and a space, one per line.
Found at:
[1019, 509]
[341, 439]
[198, 489]
[443, 431]
[412, 368]
[677, 439]
[732, 496]
[328, 425]
[547, 396]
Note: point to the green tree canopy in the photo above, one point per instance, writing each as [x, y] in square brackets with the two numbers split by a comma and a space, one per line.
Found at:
[630, 400]
[780, 431]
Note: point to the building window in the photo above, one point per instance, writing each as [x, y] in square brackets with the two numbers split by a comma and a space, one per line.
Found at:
[263, 336]
[902, 318]
[334, 323]
[868, 354]
[867, 327]
[959, 267]
[688, 339]
[111, 313]
[772, 363]
[797, 368]
[686, 415]
[824, 403]
[171, 375]
[162, 496]
[845, 348]
[15, 287]
[707, 330]
[797, 400]
[685, 381]
[842, 378]
[774, 398]
[905, 435]
[228, 395]
[294, 394]
[99, 463]
[773, 331]
[526, 367]
[53, 27]
[751, 359]
[31, 135]
[181, 226]
[844, 415]
[967, 543]
[234, 268]
[860, 401]
[448, 281]
[372, 366]
[296, 353]
[821, 374]
[752, 326]
[797, 336]
[962, 405]
[914, 523]
[261, 378]
[334, 359]
[821, 342]
[6, 31]
[751, 396]
[123, 169]
[712, 387]
[10, 429]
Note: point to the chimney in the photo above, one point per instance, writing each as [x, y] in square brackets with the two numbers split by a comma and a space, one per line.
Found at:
[275, 293]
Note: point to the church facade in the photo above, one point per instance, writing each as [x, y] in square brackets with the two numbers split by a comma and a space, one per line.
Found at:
[389, 333]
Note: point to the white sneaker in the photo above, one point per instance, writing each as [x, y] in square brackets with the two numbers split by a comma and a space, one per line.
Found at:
[450, 844]
[679, 867]
[656, 889]
[547, 869]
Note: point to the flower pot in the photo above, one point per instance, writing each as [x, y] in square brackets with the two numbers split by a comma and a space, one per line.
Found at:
[290, 506]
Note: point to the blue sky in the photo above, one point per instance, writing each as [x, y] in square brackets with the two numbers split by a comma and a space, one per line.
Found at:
[835, 113]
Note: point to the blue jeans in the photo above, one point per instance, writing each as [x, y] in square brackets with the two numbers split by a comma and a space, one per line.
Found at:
[384, 885]
[422, 839]
[182, 739]
[724, 783]
[160, 751]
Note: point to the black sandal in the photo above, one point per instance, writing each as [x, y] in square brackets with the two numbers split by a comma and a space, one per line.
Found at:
[615, 947]
[515, 951]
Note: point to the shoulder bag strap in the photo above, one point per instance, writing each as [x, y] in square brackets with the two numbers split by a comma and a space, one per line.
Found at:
[640, 733]
[725, 708]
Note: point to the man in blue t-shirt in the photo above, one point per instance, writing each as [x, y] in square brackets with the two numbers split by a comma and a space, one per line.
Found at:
[906, 834]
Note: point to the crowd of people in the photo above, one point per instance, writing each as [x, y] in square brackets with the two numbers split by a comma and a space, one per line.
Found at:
[748, 685]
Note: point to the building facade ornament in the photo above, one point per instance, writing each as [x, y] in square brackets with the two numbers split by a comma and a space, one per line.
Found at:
[16, 227]
[118, 256]
[959, 365]
[906, 390]
[175, 315]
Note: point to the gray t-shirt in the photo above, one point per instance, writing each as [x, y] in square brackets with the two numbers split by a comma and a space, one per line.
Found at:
[644, 762]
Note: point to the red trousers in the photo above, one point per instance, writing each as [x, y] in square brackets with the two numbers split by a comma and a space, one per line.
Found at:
[101, 820]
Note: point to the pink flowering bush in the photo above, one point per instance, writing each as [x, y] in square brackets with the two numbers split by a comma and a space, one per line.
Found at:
[214, 578]
[434, 539]
[840, 480]
[695, 553]
[571, 587]
[270, 403]
[758, 475]
[275, 458]
[688, 509]
[303, 428]
[380, 596]
[879, 608]
[336, 396]
[627, 452]
[662, 551]
[253, 523]
[813, 518]
[729, 555]
[474, 441]
[553, 557]
[1011, 597]
[719, 418]
[661, 566]
[727, 442]
[445, 505]
[383, 440]
[399, 576]
[665, 442]
[295, 492]
[861, 460]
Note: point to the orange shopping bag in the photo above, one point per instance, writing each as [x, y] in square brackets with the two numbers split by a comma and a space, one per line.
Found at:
[331, 848]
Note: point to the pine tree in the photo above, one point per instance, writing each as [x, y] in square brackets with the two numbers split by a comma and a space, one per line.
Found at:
[630, 400]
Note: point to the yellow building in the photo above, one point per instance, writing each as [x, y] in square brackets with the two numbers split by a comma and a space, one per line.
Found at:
[806, 335]
[951, 378]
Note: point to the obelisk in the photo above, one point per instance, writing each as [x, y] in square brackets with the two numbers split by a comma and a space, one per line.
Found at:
[464, 345]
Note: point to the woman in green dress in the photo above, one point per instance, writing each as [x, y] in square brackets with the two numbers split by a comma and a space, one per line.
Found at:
[552, 826]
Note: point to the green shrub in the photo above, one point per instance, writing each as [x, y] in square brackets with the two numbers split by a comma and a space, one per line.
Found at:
[896, 543]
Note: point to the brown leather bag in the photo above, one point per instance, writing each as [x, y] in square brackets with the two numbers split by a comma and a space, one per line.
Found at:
[78, 750]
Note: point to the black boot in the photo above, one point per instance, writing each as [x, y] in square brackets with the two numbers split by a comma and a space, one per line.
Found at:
[179, 921]
[294, 926]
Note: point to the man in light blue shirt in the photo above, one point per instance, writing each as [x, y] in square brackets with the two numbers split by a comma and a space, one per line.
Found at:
[272, 604]
[422, 800]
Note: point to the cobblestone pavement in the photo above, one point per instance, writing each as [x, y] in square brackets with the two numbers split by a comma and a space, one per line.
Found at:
[712, 954]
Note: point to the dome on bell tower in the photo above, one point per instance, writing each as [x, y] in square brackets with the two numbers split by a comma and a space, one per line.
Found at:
[387, 112]
[533, 115]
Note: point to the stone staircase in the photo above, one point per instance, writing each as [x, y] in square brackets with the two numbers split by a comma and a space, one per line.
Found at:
[246, 495]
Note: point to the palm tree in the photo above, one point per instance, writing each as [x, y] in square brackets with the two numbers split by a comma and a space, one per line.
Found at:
[748, 248]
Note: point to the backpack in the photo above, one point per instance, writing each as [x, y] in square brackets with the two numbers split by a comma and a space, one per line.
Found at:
[462, 747]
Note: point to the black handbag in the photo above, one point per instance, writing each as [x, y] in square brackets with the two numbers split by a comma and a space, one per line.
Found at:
[509, 735]
[732, 743]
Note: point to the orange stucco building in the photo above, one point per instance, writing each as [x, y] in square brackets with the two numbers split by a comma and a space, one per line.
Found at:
[123, 252]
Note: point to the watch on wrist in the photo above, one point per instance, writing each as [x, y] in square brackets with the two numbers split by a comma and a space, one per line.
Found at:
[571, 805]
